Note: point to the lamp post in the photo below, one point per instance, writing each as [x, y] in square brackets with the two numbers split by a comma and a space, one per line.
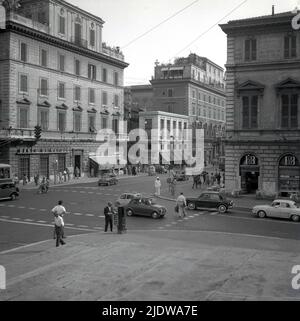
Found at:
[55, 165]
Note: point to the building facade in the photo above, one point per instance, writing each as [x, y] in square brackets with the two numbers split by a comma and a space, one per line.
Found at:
[194, 86]
[56, 72]
[263, 111]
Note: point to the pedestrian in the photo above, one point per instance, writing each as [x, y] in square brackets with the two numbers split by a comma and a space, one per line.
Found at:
[77, 172]
[181, 203]
[16, 179]
[108, 213]
[58, 228]
[65, 175]
[36, 179]
[218, 177]
[24, 179]
[61, 211]
[157, 185]
[60, 177]
[134, 171]
[212, 179]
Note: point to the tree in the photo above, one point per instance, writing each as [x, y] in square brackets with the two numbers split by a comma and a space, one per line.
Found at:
[37, 132]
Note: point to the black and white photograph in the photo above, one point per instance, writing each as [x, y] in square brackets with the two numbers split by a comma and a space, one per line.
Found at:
[149, 152]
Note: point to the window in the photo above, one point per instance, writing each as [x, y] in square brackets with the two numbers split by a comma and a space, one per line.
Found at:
[170, 109]
[23, 54]
[23, 117]
[77, 33]
[290, 46]
[104, 122]
[77, 122]
[61, 121]
[77, 93]
[61, 90]
[170, 92]
[115, 125]
[104, 98]
[43, 118]
[44, 87]
[42, 17]
[116, 100]
[92, 71]
[91, 123]
[61, 62]
[91, 96]
[289, 111]
[44, 58]
[250, 49]
[104, 75]
[250, 111]
[116, 79]
[77, 67]
[23, 84]
[62, 25]
[92, 37]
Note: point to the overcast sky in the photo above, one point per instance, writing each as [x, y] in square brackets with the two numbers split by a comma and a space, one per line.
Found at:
[125, 20]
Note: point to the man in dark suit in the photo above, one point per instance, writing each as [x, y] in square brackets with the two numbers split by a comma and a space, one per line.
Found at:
[108, 212]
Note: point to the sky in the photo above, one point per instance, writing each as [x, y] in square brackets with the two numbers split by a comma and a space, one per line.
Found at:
[193, 30]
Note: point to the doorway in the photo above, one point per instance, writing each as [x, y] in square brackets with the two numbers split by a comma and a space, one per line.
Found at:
[77, 163]
[251, 179]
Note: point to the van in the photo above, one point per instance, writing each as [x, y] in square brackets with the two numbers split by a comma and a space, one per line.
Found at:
[8, 191]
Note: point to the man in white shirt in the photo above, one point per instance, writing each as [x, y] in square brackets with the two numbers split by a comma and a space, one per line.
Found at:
[58, 224]
[157, 185]
[60, 211]
[181, 203]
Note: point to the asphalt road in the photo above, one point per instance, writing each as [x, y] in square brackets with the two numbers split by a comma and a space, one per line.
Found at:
[29, 219]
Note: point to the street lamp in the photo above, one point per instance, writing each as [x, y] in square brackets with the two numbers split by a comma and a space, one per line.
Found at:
[55, 166]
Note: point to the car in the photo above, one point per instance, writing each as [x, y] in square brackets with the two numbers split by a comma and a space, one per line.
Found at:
[8, 191]
[108, 179]
[145, 206]
[181, 176]
[279, 208]
[125, 198]
[210, 201]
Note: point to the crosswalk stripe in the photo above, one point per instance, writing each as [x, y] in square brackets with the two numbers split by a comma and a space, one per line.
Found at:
[214, 213]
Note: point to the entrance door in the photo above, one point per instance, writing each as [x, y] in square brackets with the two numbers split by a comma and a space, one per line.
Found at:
[249, 172]
[77, 163]
[251, 179]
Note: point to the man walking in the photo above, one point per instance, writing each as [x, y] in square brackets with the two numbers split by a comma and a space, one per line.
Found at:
[157, 185]
[60, 211]
[58, 224]
[108, 212]
[181, 203]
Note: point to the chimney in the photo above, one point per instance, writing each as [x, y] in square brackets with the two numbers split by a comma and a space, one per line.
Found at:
[273, 10]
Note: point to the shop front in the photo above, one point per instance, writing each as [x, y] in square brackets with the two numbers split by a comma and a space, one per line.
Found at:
[289, 175]
[249, 173]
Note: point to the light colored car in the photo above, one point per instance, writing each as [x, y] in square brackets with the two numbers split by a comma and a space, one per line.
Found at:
[125, 198]
[280, 209]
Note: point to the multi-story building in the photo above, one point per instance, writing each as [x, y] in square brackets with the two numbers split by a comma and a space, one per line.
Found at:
[263, 111]
[56, 72]
[194, 87]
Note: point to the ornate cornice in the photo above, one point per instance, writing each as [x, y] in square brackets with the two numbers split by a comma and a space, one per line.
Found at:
[41, 36]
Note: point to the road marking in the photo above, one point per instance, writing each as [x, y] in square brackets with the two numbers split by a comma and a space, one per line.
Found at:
[89, 215]
[101, 216]
[69, 224]
[5, 216]
[78, 214]
[98, 228]
[21, 207]
[41, 221]
[214, 213]
[32, 208]
[28, 220]
[16, 218]
[11, 205]
[83, 226]
[43, 210]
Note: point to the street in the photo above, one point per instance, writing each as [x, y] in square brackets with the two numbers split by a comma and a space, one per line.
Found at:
[28, 219]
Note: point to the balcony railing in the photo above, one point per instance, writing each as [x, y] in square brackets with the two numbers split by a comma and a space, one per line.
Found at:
[79, 42]
[16, 133]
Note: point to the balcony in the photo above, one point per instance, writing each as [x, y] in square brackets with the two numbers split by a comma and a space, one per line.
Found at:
[11, 134]
[113, 52]
[79, 42]
[28, 22]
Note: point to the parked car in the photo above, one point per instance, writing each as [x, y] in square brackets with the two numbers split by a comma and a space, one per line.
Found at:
[181, 176]
[145, 206]
[125, 198]
[108, 179]
[210, 201]
[8, 191]
[279, 208]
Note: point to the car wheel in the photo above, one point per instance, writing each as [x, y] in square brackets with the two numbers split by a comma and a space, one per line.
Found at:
[155, 215]
[129, 212]
[13, 197]
[222, 209]
[191, 206]
[261, 214]
[295, 218]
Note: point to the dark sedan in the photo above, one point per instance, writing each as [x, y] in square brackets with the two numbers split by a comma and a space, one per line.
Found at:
[108, 179]
[145, 206]
[181, 176]
[210, 201]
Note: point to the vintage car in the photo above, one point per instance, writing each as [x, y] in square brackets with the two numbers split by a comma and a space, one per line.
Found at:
[108, 179]
[280, 209]
[145, 206]
[210, 201]
[125, 198]
[8, 191]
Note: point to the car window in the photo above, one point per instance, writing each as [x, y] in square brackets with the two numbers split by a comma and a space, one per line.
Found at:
[275, 204]
[123, 197]
[206, 196]
[130, 197]
[214, 197]
[285, 205]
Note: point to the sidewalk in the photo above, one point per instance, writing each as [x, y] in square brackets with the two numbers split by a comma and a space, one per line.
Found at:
[243, 202]
[153, 265]
[81, 180]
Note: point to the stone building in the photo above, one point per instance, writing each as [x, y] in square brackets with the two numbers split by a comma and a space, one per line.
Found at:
[194, 86]
[263, 114]
[56, 72]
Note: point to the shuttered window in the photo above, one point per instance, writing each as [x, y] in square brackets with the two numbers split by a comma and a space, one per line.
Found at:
[289, 111]
[250, 49]
[23, 117]
[23, 84]
[44, 87]
[77, 122]
[23, 52]
[61, 121]
[77, 93]
[290, 46]
[91, 95]
[104, 98]
[62, 25]
[92, 37]
[250, 112]
[61, 90]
